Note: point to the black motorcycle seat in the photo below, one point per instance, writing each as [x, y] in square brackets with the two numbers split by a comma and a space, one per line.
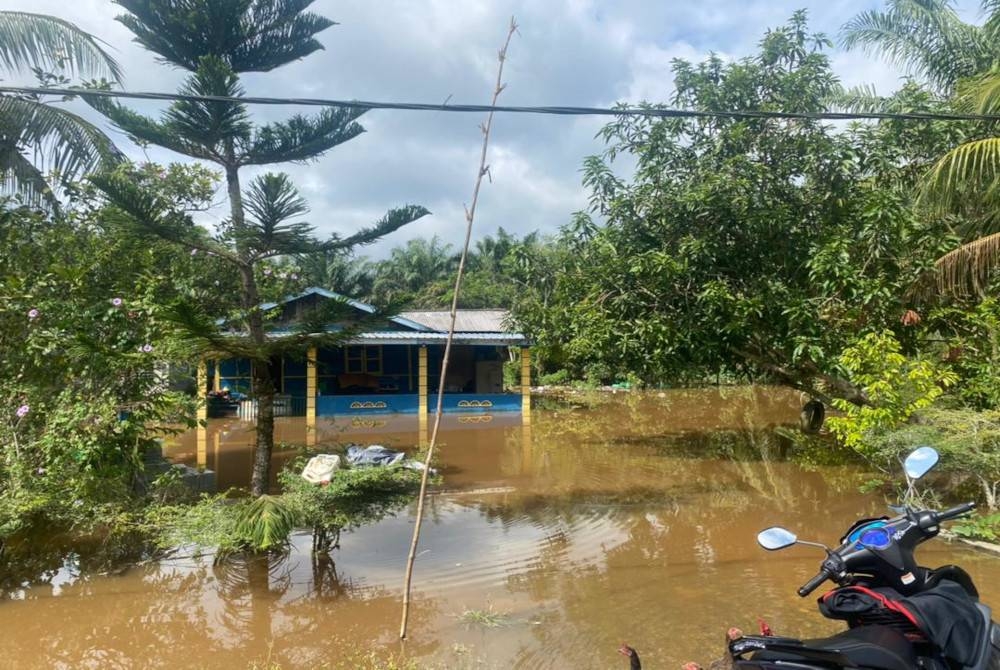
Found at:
[866, 646]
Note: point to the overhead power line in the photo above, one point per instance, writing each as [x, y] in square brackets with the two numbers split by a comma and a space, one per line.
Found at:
[651, 111]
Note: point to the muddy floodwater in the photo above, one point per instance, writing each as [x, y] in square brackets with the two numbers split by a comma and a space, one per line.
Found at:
[629, 518]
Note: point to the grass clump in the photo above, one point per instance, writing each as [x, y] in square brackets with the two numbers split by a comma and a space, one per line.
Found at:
[486, 618]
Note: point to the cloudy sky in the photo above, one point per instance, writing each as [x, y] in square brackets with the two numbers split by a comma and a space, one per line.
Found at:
[568, 52]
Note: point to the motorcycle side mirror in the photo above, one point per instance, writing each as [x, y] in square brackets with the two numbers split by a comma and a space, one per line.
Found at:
[775, 538]
[919, 462]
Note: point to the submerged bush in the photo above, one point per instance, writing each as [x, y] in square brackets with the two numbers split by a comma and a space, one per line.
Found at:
[226, 525]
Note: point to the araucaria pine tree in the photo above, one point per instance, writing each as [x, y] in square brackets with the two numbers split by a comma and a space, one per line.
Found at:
[216, 41]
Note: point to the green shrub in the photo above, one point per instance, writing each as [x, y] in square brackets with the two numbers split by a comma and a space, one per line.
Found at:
[968, 441]
[896, 387]
[557, 378]
[511, 374]
[980, 527]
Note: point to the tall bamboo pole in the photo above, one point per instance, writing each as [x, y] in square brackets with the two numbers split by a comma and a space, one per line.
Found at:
[470, 214]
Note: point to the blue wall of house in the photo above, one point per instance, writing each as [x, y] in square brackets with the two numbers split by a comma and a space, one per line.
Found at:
[453, 403]
[397, 377]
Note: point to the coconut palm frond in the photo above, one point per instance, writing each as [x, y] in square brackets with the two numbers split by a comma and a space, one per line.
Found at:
[967, 173]
[19, 176]
[860, 99]
[925, 36]
[969, 268]
[991, 27]
[266, 523]
[980, 94]
[39, 40]
[64, 142]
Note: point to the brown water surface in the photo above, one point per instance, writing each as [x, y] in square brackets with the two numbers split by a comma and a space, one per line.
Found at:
[632, 519]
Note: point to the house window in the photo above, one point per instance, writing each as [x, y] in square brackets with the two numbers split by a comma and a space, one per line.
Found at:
[363, 360]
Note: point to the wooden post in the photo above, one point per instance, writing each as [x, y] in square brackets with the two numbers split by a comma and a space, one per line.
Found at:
[525, 385]
[311, 397]
[202, 415]
[422, 392]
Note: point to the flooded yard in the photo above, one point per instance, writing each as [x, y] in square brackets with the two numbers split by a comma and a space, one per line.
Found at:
[629, 519]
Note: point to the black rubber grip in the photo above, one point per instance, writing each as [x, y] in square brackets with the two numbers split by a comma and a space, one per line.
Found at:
[813, 584]
[956, 511]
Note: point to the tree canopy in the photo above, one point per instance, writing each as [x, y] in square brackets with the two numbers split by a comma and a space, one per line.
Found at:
[754, 247]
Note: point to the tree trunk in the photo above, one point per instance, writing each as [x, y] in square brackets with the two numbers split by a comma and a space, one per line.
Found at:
[263, 385]
[260, 363]
[804, 378]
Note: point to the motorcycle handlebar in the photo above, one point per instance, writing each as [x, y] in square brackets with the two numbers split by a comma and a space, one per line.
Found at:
[813, 583]
[956, 511]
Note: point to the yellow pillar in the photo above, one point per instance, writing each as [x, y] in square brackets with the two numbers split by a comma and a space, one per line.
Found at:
[217, 380]
[202, 377]
[311, 397]
[422, 391]
[525, 385]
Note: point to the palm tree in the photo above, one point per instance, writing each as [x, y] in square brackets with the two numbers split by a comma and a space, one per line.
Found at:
[929, 39]
[339, 271]
[34, 136]
[963, 60]
[490, 252]
[967, 180]
[412, 268]
[216, 40]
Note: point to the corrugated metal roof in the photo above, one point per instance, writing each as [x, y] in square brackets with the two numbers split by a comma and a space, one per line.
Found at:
[466, 320]
[397, 337]
[472, 326]
[410, 337]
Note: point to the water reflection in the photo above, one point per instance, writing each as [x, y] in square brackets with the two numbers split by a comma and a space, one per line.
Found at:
[621, 518]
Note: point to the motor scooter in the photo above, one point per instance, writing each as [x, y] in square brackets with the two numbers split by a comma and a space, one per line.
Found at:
[899, 615]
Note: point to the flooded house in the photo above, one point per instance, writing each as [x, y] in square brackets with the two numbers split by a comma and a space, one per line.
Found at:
[361, 364]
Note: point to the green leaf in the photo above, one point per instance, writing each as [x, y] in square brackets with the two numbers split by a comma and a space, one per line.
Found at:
[38, 40]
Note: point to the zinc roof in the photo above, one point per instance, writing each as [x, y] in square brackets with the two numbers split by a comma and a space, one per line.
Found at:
[466, 320]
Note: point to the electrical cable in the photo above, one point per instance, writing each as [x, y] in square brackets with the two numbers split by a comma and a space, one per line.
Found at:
[644, 110]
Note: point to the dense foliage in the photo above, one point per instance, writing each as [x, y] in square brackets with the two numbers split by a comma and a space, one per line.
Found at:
[83, 330]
